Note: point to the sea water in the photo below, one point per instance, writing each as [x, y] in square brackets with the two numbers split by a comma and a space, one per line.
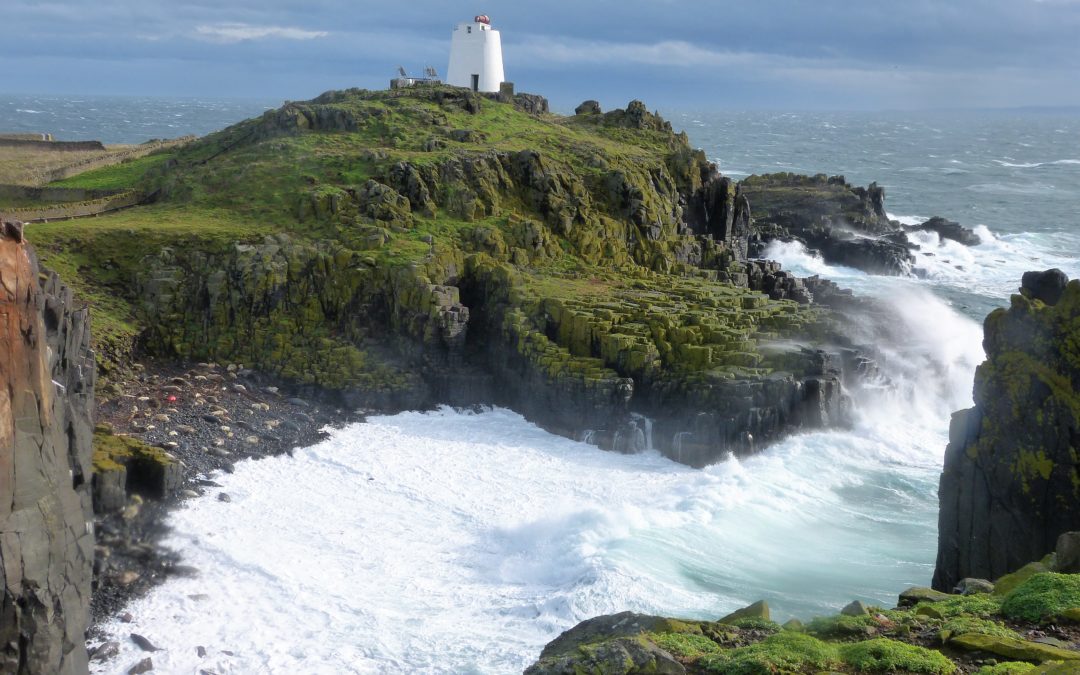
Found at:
[458, 542]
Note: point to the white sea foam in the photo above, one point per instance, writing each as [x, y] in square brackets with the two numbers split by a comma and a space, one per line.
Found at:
[1034, 165]
[460, 542]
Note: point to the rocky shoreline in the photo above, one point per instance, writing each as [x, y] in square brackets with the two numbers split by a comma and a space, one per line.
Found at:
[206, 417]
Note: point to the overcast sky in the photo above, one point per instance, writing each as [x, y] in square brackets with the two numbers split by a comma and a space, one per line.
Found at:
[787, 54]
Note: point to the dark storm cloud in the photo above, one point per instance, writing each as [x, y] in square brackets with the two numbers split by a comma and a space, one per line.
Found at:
[775, 53]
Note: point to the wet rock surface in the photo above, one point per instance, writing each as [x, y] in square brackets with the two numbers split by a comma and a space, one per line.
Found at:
[46, 525]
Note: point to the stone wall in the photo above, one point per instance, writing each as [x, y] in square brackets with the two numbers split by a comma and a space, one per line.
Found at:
[26, 137]
[53, 194]
[81, 209]
[52, 146]
[46, 531]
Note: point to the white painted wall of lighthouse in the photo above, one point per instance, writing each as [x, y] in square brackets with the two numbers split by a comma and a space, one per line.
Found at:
[475, 49]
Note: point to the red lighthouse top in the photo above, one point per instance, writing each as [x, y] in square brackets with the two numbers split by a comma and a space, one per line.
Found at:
[483, 18]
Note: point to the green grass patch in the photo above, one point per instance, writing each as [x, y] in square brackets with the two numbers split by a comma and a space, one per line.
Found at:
[762, 625]
[960, 625]
[840, 625]
[784, 652]
[1010, 668]
[685, 646]
[1042, 597]
[124, 175]
[882, 655]
[980, 605]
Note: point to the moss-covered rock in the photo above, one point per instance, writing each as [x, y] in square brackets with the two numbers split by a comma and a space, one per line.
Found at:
[1011, 481]
[1012, 648]
[123, 465]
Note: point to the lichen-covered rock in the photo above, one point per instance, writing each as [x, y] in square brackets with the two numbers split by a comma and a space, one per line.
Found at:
[46, 532]
[1010, 484]
[1012, 648]
[124, 466]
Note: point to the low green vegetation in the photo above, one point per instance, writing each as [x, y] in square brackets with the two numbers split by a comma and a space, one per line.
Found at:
[1043, 597]
[882, 655]
[1008, 668]
[117, 177]
[784, 652]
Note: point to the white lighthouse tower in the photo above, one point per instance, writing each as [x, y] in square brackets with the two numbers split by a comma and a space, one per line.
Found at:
[476, 56]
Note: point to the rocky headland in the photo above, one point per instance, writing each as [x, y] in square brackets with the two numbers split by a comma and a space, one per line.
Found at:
[391, 250]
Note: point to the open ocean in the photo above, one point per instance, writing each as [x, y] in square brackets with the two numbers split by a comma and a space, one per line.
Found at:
[456, 542]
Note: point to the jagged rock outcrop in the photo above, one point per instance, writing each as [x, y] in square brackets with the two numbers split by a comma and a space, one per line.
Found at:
[948, 229]
[845, 224]
[46, 533]
[1011, 482]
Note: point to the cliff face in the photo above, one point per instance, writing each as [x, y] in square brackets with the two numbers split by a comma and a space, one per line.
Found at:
[1011, 482]
[46, 535]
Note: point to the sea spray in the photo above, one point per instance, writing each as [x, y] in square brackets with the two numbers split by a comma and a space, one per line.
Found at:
[462, 542]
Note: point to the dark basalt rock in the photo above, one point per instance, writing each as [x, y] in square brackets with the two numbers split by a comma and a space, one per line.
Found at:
[1047, 286]
[46, 401]
[948, 229]
[1009, 486]
[846, 225]
[588, 108]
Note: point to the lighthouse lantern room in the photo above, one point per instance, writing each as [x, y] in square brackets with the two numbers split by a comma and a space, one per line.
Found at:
[476, 56]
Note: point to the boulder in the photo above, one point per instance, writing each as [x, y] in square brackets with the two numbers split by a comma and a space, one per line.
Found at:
[1012, 648]
[758, 610]
[588, 108]
[855, 608]
[1068, 553]
[917, 594]
[623, 624]
[1046, 286]
[970, 586]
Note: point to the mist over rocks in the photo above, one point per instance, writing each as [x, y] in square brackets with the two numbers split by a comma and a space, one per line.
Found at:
[47, 378]
[1009, 486]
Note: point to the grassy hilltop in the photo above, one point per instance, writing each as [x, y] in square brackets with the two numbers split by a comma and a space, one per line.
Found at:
[343, 242]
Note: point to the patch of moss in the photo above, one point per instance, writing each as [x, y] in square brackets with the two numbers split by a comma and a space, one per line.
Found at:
[784, 652]
[959, 625]
[684, 646]
[112, 451]
[882, 655]
[1009, 668]
[1042, 597]
[759, 625]
[841, 625]
[124, 175]
[980, 605]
